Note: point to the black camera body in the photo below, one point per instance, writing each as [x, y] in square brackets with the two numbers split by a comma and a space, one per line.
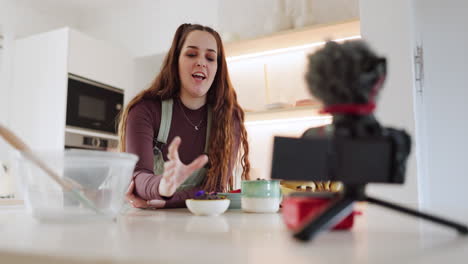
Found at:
[358, 152]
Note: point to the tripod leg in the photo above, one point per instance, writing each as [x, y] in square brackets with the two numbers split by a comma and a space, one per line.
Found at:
[462, 229]
[339, 209]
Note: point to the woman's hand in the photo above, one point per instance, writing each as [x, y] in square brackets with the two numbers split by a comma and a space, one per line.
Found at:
[176, 172]
[140, 203]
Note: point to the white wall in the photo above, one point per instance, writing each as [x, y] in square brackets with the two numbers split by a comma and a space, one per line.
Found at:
[261, 136]
[246, 19]
[146, 69]
[326, 11]
[24, 20]
[3, 84]
[441, 28]
[388, 28]
[1, 48]
[146, 27]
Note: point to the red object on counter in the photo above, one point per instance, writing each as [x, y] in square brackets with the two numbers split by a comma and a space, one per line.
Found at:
[297, 209]
[235, 191]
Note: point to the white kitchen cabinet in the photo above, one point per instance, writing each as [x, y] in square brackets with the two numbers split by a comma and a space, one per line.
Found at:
[42, 62]
[387, 26]
[99, 61]
[38, 95]
[440, 103]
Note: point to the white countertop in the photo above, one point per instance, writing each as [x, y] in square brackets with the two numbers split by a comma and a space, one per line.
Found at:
[176, 236]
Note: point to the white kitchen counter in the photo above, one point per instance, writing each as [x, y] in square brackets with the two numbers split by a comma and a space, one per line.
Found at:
[176, 236]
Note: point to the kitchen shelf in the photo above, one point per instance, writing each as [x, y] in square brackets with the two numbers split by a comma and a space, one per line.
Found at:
[255, 65]
[294, 38]
[90, 133]
[298, 112]
[10, 202]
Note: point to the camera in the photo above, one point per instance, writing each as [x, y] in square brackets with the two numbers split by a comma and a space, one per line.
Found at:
[352, 161]
[355, 149]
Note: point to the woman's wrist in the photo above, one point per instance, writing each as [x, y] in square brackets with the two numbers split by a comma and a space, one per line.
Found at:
[164, 189]
[156, 204]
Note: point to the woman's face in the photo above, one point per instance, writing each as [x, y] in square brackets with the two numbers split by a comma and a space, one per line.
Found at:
[198, 63]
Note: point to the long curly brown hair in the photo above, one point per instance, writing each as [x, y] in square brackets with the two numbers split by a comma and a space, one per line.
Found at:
[227, 115]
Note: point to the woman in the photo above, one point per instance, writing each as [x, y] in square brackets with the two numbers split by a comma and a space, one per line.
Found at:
[192, 105]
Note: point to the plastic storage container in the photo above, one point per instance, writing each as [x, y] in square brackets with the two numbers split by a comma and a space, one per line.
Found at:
[103, 177]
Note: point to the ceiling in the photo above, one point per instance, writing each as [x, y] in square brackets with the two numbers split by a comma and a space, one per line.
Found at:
[69, 6]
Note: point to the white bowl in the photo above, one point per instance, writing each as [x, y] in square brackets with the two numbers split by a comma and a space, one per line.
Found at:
[207, 207]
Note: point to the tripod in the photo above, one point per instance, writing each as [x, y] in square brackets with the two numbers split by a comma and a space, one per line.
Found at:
[341, 206]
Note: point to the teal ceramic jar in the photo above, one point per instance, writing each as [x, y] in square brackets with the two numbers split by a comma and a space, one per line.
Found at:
[261, 196]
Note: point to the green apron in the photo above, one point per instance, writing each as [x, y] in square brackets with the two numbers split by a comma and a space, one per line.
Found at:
[197, 177]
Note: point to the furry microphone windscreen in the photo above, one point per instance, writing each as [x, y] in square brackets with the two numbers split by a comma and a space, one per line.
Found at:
[344, 73]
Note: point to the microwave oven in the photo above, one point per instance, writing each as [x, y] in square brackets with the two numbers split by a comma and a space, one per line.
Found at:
[92, 114]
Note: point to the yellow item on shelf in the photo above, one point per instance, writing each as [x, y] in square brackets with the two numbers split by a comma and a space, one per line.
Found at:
[288, 187]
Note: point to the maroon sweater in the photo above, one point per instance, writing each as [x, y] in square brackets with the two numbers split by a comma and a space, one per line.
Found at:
[142, 130]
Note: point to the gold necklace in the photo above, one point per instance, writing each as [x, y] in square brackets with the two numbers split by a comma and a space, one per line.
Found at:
[197, 127]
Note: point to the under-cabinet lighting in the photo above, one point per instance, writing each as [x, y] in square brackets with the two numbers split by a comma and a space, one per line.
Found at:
[288, 49]
[320, 119]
